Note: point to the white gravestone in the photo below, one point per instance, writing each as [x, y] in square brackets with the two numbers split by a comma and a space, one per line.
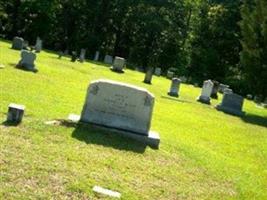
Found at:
[175, 87]
[108, 59]
[27, 60]
[18, 43]
[38, 45]
[82, 55]
[96, 58]
[122, 107]
[232, 104]
[206, 92]
[157, 71]
[118, 64]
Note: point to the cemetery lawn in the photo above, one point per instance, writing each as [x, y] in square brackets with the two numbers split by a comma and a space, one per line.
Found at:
[204, 154]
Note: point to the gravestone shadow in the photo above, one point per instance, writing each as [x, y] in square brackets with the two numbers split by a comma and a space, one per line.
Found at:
[255, 119]
[22, 68]
[92, 135]
[8, 123]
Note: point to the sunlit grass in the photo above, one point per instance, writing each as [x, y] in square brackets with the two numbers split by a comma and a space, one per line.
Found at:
[204, 154]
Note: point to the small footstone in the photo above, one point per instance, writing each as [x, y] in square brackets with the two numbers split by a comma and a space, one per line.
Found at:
[53, 122]
[15, 113]
[74, 118]
[2, 66]
[107, 192]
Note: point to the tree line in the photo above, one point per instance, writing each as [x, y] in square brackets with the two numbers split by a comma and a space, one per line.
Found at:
[223, 40]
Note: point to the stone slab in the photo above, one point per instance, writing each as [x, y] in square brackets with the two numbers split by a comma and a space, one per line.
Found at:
[107, 192]
[152, 139]
[231, 104]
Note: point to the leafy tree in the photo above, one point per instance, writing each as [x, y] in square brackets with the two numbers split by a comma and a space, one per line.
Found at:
[253, 57]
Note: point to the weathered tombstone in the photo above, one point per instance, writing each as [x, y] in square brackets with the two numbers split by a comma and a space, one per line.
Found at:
[118, 64]
[18, 43]
[108, 59]
[183, 79]
[206, 92]
[158, 71]
[232, 104]
[170, 74]
[82, 55]
[96, 58]
[73, 56]
[175, 87]
[15, 113]
[149, 75]
[38, 45]
[215, 89]
[122, 107]
[228, 91]
[27, 60]
[222, 87]
[249, 96]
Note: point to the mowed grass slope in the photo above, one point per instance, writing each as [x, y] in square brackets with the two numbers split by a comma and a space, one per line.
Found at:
[204, 154]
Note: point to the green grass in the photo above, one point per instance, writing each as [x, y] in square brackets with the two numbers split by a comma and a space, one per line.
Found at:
[204, 154]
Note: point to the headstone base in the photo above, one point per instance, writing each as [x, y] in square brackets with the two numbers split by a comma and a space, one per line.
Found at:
[152, 139]
[116, 70]
[203, 99]
[230, 110]
[173, 94]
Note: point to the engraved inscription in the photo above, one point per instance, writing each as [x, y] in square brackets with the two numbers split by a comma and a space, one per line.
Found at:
[94, 90]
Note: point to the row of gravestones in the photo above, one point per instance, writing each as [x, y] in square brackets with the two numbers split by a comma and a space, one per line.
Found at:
[27, 56]
[117, 107]
[128, 109]
[231, 103]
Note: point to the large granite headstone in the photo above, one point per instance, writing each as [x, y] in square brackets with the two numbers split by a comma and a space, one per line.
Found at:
[122, 107]
[149, 75]
[38, 45]
[18, 43]
[206, 92]
[108, 59]
[175, 87]
[232, 104]
[15, 113]
[27, 60]
[118, 64]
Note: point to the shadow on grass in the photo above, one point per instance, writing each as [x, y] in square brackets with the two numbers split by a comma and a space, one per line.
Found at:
[176, 99]
[8, 123]
[254, 119]
[22, 68]
[91, 135]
